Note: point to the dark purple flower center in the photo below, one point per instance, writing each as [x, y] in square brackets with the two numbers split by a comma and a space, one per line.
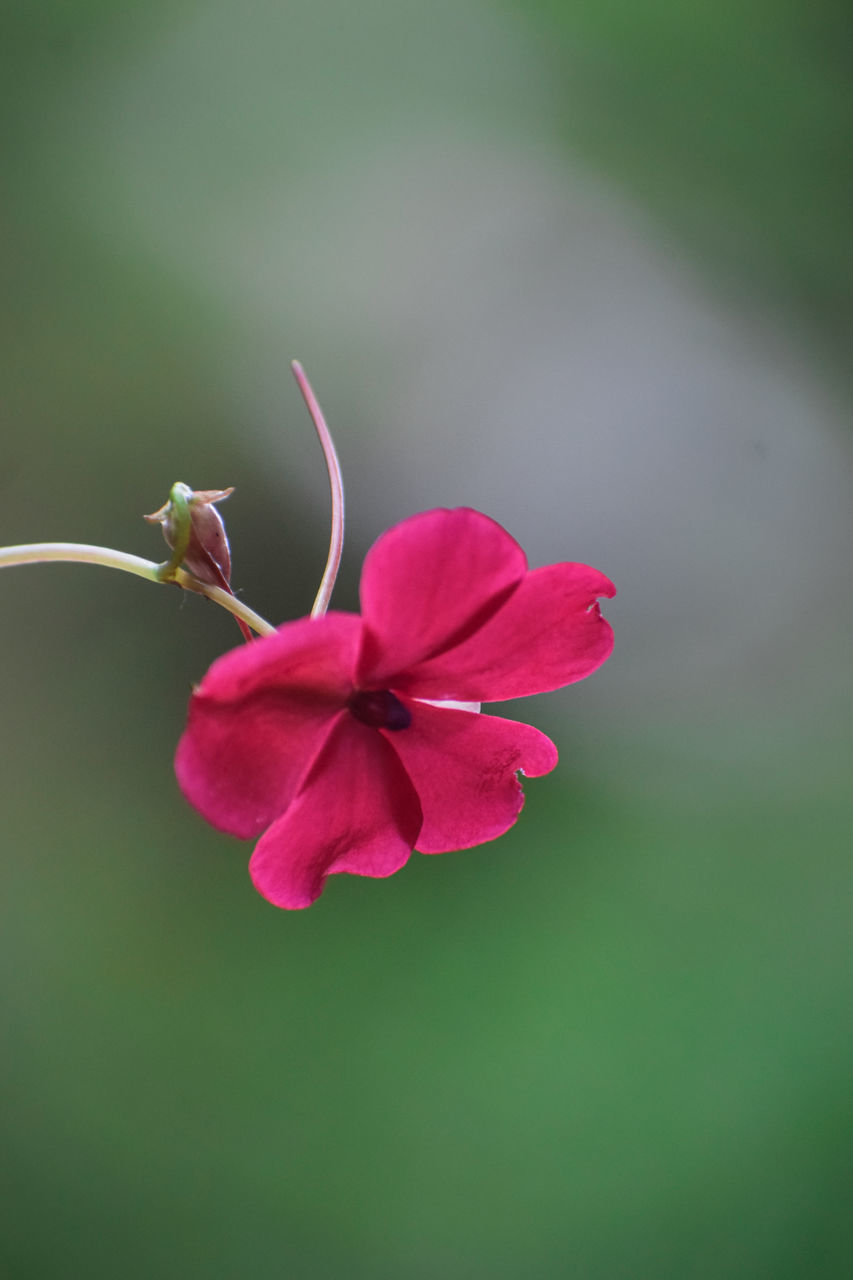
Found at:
[380, 709]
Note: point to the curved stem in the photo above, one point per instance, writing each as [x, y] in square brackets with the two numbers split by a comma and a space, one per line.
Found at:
[82, 553]
[336, 541]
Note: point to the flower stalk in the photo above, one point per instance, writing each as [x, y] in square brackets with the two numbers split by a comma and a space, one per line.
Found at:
[336, 484]
[83, 553]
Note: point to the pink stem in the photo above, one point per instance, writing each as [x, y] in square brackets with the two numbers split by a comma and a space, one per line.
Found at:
[336, 542]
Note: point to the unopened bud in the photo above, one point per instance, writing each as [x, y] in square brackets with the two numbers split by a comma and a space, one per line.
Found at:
[193, 528]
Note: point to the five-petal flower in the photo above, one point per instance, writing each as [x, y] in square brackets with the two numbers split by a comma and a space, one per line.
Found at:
[325, 740]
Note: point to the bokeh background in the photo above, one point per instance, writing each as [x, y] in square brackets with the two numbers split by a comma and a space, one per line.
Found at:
[585, 265]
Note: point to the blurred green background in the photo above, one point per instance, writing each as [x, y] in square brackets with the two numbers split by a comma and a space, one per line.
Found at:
[587, 267]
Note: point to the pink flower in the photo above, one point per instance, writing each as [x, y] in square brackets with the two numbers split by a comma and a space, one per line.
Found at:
[325, 740]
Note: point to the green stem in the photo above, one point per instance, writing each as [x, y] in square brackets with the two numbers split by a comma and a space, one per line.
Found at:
[181, 530]
[82, 553]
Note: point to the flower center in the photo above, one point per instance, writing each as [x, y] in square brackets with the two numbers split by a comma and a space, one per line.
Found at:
[380, 709]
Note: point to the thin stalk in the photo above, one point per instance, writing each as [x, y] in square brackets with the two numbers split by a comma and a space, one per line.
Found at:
[336, 484]
[82, 553]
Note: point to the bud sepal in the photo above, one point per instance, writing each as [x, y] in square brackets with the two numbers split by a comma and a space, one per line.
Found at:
[195, 531]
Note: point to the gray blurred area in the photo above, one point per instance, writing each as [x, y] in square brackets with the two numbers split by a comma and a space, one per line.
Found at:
[534, 263]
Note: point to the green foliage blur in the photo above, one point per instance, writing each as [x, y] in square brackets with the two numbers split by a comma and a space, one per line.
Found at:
[583, 265]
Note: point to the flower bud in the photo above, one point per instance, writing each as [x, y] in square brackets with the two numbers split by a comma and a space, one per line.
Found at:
[194, 529]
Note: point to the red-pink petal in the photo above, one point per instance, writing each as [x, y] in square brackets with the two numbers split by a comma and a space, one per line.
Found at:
[549, 633]
[260, 716]
[463, 767]
[428, 582]
[357, 811]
